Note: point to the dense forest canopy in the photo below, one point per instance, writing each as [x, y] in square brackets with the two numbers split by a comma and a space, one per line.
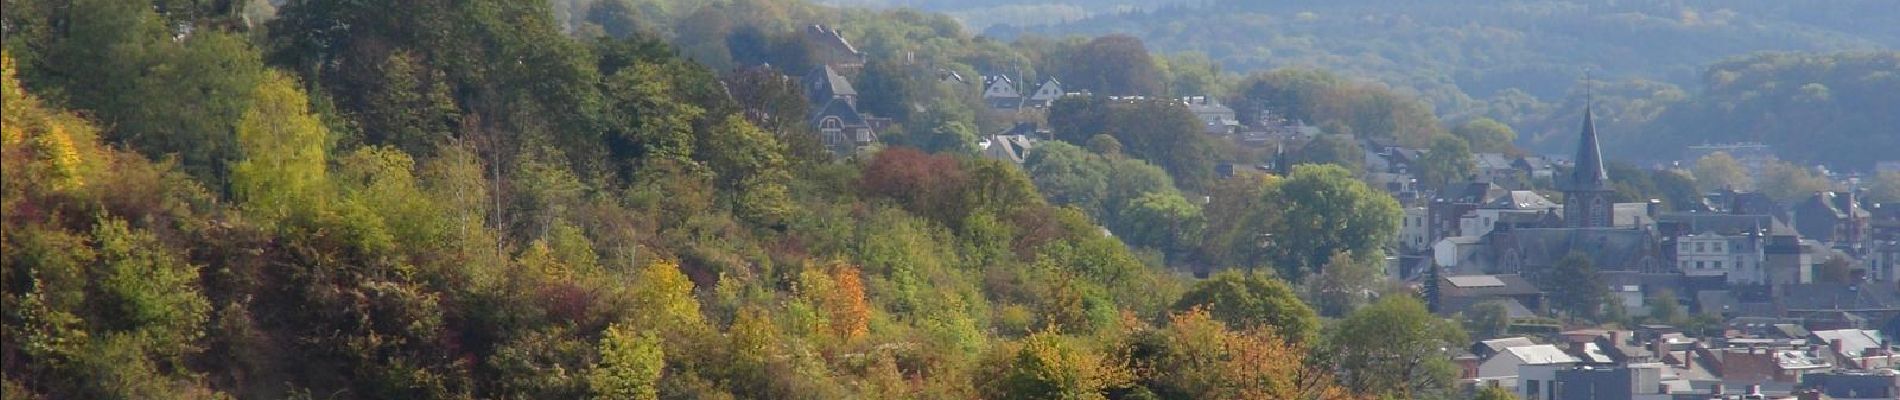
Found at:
[482, 199]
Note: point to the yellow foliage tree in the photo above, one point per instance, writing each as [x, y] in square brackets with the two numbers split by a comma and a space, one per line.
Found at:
[282, 168]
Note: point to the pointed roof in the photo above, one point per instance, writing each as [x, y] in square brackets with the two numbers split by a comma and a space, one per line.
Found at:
[1589, 173]
[825, 83]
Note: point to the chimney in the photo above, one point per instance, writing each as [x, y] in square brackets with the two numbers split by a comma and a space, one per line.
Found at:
[1716, 389]
[1754, 390]
[1616, 338]
[1835, 346]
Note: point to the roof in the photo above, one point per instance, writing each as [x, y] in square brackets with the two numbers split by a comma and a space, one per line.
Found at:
[1012, 148]
[1487, 285]
[1594, 354]
[1838, 296]
[1472, 192]
[1854, 342]
[1521, 200]
[1726, 224]
[1492, 161]
[1500, 344]
[824, 81]
[1588, 173]
[1799, 359]
[1609, 249]
[841, 109]
[1542, 354]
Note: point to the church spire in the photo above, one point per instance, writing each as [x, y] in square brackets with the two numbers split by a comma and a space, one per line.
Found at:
[1589, 173]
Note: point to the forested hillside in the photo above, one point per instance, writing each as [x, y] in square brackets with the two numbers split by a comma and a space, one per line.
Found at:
[1522, 62]
[482, 199]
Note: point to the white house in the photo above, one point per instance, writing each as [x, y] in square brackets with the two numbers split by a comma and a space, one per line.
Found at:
[1527, 368]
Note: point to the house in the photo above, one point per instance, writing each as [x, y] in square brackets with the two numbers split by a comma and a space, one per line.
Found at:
[1881, 384]
[1010, 145]
[1458, 293]
[1856, 348]
[1520, 208]
[830, 48]
[1001, 93]
[841, 128]
[1216, 119]
[1412, 236]
[1496, 167]
[1729, 245]
[1046, 94]
[1762, 364]
[1627, 382]
[1833, 218]
[1484, 349]
[1459, 255]
[1536, 167]
[1505, 368]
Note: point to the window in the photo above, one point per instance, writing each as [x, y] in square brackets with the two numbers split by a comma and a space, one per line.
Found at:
[1718, 265]
[1718, 247]
[1699, 248]
[1698, 265]
[1532, 389]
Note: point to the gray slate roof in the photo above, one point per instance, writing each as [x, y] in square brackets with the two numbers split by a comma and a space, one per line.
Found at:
[1609, 249]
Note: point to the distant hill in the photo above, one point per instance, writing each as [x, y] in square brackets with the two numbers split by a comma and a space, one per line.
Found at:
[1518, 61]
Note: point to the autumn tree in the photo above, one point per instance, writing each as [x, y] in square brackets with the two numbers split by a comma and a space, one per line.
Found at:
[1196, 356]
[1047, 365]
[1246, 301]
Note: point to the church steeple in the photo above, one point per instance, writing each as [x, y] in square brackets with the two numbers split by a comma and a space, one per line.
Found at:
[1587, 192]
[1589, 174]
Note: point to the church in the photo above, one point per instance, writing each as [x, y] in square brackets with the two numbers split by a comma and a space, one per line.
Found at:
[1619, 238]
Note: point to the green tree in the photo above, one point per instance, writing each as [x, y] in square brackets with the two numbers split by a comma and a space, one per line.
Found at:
[1069, 175]
[1884, 188]
[1718, 171]
[1162, 220]
[1249, 300]
[1488, 319]
[1395, 348]
[1449, 160]
[1325, 211]
[1574, 286]
[1487, 135]
[1117, 65]
[629, 367]
[1346, 282]
[1788, 183]
[1665, 308]
[284, 147]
